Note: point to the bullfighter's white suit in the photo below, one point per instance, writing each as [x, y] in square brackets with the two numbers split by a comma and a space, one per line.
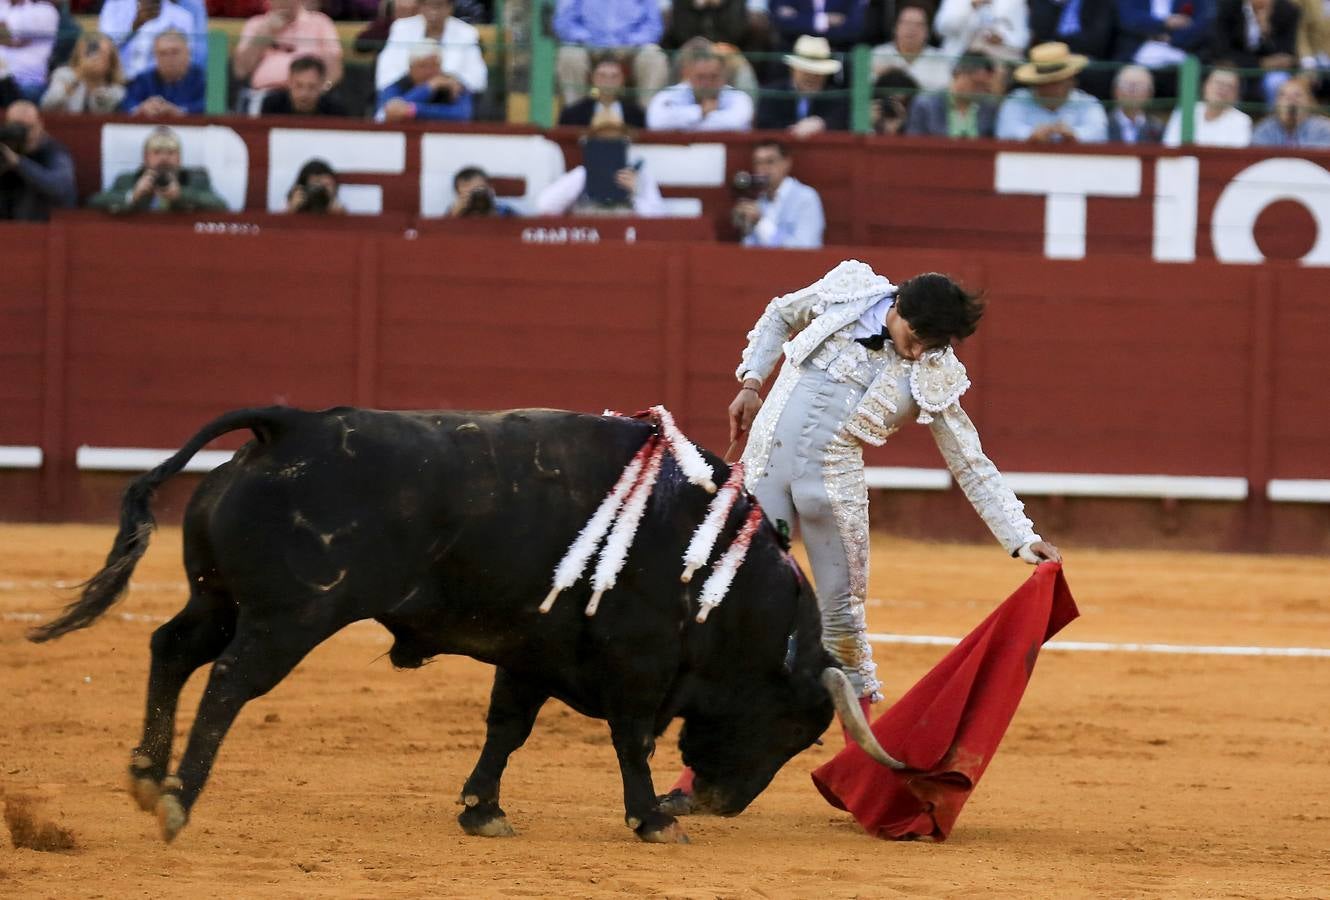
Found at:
[804, 459]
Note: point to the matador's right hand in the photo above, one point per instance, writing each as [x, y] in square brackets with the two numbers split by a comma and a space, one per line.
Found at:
[743, 410]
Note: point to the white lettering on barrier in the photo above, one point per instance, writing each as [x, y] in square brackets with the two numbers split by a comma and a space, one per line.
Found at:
[1177, 181]
[1065, 181]
[1256, 187]
[348, 152]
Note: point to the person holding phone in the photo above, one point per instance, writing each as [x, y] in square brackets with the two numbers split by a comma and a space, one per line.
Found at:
[606, 182]
[92, 82]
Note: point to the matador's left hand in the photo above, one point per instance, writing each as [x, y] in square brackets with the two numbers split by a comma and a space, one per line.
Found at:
[1036, 552]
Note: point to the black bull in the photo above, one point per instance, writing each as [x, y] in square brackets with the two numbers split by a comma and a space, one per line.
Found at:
[445, 527]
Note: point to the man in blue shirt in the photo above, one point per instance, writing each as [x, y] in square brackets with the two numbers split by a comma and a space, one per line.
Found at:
[424, 92]
[630, 30]
[786, 212]
[1051, 110]
[172, 87]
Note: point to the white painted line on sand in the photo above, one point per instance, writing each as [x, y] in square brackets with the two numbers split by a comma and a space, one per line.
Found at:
[931, 640]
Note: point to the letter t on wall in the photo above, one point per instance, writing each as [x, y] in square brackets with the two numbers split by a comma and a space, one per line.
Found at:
[1066, 180]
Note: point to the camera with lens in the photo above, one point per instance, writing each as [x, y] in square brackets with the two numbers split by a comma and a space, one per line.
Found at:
[480, 202]
[162, 180]
[14, 135]
[747, 184]
[317, 198]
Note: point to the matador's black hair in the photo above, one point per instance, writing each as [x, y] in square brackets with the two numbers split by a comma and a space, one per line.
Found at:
[938, 309]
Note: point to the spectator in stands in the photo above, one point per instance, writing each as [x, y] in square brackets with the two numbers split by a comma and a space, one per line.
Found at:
[1160, 33]
[1087, 27]
[719, 21]
[1130, 121]
[426, 92]
[91, 83]
[910, 52]
[629, 28]
[271, 42]
[996, 28]
[36, 172]
[841, 22]
[1218, 123]
[305, 94]
[1052, 109]
[784, 212]
[1313, 35]
[173, 87]
[475, 196]
[894, 93]
[605, 101]
[434, 27]
[702, 101]
[375, 35]
[968, 110]
[27, 35]
[315, 191]
[134, 26]
[804, 104]
[160, 184]
[1293, 122]
[637, 193]
[1258, 34]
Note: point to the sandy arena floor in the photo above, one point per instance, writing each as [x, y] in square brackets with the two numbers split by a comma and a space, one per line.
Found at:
[1123, 774]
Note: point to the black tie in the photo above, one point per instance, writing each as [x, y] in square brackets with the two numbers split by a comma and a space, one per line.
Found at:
[876, 342]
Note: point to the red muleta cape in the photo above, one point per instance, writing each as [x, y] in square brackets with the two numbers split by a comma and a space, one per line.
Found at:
[948, 726]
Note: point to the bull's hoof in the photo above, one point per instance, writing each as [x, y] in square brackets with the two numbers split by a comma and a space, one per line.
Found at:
[145, 791]
[171, 816]
[485, 820]
[675, 803]
[144, 784]
[659, 828]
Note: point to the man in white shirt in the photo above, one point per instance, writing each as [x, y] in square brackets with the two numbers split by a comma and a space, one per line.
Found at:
[786, 212]
[702, 101]
[910, 52]
[1218, 123]
[458, 42]
[27, 34]
[134, 26]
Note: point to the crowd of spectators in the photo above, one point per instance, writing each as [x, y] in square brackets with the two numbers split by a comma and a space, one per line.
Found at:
[1040, 71]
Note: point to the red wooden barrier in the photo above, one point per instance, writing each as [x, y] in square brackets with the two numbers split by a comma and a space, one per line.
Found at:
[133, 337]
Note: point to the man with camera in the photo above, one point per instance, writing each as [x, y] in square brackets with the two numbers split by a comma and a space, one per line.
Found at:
[160, 184]
[36, 172]
[475, 196]
[315, 191]
[776, 209]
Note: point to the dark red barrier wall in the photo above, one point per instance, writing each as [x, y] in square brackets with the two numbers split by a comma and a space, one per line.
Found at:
[134, 336]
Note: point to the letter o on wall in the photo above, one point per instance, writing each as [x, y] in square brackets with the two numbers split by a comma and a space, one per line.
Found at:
[1233, 223]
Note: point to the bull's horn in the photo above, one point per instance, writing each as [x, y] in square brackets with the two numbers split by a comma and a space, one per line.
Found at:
[852, 717]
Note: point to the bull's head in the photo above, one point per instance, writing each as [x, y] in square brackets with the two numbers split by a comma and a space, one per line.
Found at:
[737, 735]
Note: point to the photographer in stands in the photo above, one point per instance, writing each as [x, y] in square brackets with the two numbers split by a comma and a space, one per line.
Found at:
[475, 196]
[160, 184]
[36, 172]
[777, 210]
[315, 191]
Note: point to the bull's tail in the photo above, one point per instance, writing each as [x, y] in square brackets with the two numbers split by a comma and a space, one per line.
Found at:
[99, 593]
